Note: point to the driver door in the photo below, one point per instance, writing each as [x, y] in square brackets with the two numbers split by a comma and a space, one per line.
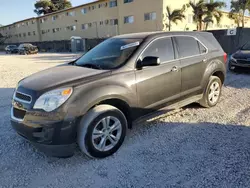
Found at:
[158, 85]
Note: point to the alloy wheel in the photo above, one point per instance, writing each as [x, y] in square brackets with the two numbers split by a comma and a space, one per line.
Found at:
[106, 133]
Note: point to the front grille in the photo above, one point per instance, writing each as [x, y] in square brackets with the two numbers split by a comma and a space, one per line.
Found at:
[23, 97]
[19, 114]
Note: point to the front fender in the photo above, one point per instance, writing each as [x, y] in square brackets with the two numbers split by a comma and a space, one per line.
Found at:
[85, 99]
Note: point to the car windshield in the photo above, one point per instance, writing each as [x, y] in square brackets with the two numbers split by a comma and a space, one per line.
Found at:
[12, 46]
[246, 46]
[110, 54]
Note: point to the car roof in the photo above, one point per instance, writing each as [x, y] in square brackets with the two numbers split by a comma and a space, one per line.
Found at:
[144, 35]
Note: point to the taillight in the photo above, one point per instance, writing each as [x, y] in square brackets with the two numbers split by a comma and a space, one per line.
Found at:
[225, 57]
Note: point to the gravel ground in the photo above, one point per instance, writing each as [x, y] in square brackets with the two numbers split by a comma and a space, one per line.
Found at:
[188, 147]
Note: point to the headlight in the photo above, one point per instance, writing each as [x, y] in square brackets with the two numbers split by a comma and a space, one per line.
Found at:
[53, 99]
[233, 59]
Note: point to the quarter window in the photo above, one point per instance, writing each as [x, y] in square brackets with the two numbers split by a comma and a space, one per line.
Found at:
[187, 46]
[162, 48]
[203, 50]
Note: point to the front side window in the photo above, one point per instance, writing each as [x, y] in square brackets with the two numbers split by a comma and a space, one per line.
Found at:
[187, 46]
[162, 48]
[110, 54]
[128, 19]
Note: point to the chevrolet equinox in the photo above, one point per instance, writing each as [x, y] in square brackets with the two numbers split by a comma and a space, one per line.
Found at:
[93, 100]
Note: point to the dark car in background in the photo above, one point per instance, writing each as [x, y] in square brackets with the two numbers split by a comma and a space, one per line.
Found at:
[94, 99]
[11, 49]
[241, 58]
[25, 49]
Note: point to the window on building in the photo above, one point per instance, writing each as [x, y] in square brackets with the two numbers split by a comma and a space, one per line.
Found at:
[29, 33]
[43, 32]
[187, 46]
[113, 22]
[113, 3]
[84, 11]
[24, 34]
[20, 35]
[22, 24]
[72, 13]
[190, 18]
[101, 22]
[71, 28]
[128, 1]
[27, 23]
[150, 16]
[85, 26]
[90, 24]
[93, 7]
[54, 18]
[55, 30]
[128, 19]
[33, 21]
[162, 48]
[34, 33]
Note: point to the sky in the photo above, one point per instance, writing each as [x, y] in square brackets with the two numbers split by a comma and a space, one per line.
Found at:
[15, 10]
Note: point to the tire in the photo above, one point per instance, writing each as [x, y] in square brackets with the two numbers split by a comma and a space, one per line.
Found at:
[93, 120]
[208, 101]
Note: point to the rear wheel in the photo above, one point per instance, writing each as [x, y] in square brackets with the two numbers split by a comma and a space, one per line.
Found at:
[101, 131]
[213, 92]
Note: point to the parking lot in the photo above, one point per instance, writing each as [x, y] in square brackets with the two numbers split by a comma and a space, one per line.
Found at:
[188, 147]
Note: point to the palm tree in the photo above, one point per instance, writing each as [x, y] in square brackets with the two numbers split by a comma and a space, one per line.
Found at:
[49, 6]
[213, 11]
[235, 13]
[238, 10]
[174, 16]
[199, 12]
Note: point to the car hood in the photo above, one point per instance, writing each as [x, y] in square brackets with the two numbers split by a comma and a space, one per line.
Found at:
[59, 76]
[242, 54]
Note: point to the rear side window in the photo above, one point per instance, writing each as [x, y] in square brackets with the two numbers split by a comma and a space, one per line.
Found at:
[187, 46]
[162, 48]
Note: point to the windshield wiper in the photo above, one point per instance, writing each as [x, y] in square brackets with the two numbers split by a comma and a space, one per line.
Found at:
[89, 65]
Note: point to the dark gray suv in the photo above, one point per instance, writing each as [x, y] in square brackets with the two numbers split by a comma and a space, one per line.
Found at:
[93, 100]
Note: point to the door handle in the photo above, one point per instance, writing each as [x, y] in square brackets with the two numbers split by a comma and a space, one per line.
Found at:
[174, 69]
[204, 60]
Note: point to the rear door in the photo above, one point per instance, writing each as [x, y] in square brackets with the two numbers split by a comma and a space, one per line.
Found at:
[157, 85]
[192, 54]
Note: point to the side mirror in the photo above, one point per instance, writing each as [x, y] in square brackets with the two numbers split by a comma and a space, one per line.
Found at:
[149, 61]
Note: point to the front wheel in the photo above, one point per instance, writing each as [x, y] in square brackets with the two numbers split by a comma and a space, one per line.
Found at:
[101, 131]
[213, 92]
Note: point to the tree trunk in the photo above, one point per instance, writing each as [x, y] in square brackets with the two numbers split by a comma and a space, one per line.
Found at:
[169, 25]
[243, 18]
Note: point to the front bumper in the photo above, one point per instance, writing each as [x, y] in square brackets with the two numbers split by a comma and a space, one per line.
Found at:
[238, 64]
[52, 136]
